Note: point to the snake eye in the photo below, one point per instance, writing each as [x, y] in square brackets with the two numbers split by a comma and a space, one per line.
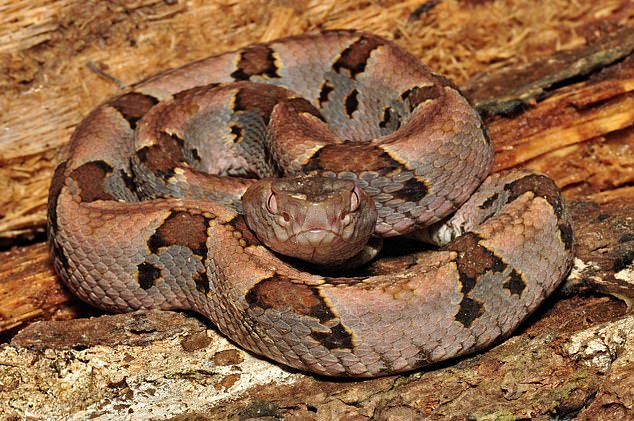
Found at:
[355, 199]
[271, 203]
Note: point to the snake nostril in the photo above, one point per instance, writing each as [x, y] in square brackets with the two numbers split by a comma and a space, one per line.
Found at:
[286, 216]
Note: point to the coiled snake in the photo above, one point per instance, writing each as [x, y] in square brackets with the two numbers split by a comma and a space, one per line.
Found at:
[134, 221]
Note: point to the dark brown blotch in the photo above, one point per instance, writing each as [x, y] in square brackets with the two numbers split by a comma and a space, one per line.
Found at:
[470, 310]
[539, 185]
[133, 106]
[390, 118]
[263, 101]
[182, 228]
[189, 95]
[349, 156]
[164, 156]
[473, 261]
[257, 60]
[355, 57]
[351, 103]
[515, 284]
[237, 132]
[195, 154]
[345, 280]
[417, 95]
[91, 180]
[279, 293]
[324, 93]
[489, 202]
[128, 180]
[414, 190]
[147, 273]
[186, 229]
[251, 99]
[542, 186]
[446, 82]
[201, 280]
[337, 338]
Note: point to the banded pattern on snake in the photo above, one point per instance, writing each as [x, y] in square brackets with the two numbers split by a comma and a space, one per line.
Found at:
[146, 209]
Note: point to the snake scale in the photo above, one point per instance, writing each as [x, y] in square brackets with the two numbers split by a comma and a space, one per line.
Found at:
[145, 210]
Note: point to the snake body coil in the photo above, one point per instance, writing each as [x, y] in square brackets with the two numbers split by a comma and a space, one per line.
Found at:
[146, 211]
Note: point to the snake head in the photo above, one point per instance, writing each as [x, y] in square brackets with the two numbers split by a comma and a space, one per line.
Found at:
[321, 220]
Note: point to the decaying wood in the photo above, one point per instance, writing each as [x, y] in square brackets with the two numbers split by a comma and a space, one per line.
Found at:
[575, 124]
[30, 290]
[582, 135]
[605, 234]
[146, 362]
[510, 89]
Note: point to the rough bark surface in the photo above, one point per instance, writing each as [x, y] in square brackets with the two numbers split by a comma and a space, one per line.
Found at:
[566, 100]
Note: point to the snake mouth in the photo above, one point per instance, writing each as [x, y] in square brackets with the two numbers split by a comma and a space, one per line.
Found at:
[315, 237]
[318, 245]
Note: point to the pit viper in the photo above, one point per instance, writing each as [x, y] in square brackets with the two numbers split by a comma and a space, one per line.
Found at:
[157, 204]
